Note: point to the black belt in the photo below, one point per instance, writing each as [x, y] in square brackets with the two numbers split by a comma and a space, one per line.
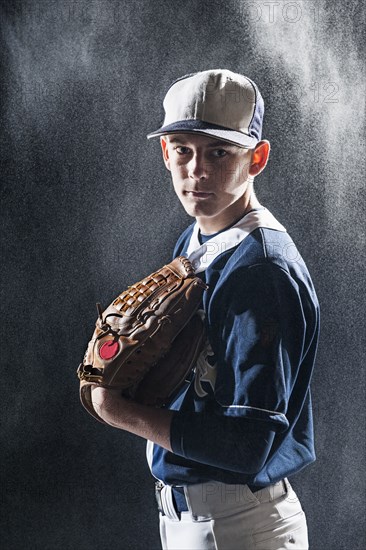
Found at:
[179, 498]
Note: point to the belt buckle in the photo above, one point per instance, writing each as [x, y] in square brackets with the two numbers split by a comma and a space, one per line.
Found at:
[159, 485]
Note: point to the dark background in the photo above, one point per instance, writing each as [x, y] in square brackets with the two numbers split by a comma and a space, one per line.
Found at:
[88, 208]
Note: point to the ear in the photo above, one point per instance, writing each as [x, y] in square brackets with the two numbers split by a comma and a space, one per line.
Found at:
[259, 157]
[164, 148]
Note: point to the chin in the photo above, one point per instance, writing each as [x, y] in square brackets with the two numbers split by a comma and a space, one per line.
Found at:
[196, 211]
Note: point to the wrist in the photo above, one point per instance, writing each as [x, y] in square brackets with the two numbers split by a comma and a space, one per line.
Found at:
[105, 402]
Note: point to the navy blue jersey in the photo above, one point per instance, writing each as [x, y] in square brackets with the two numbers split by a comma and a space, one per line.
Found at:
[246, 416]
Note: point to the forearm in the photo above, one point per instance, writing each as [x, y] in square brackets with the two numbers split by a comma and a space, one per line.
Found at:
[229, 443]
[148, 422]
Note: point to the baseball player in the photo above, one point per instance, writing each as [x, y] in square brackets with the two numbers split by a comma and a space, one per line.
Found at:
[223, 450]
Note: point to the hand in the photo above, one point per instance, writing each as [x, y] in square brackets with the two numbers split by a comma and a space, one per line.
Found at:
[125, 414]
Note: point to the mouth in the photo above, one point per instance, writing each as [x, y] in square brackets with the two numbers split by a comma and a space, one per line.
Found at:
[197, 194]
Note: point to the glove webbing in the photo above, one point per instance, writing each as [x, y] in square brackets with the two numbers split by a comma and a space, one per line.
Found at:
[130, 299]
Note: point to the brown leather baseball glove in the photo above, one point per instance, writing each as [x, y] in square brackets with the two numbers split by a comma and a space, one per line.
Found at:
[148, 340]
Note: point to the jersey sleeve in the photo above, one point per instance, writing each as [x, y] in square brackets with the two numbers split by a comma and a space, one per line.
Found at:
[262, 337]
[263, 333]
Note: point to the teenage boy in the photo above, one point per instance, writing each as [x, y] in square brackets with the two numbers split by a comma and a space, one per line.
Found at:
[223, 450]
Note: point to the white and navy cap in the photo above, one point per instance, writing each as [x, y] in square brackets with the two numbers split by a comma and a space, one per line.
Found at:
[217, 103]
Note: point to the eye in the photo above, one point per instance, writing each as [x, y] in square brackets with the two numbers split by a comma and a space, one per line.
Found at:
[181, 150]
[219, 153]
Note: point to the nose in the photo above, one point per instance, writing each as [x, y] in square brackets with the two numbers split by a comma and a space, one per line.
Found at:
[198, 168]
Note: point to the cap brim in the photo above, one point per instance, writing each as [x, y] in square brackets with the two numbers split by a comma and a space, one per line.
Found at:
[206, 129]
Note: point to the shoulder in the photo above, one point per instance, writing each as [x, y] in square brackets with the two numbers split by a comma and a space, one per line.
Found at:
[267, 263]
[183, 241]
[269, 251]
[265, 245]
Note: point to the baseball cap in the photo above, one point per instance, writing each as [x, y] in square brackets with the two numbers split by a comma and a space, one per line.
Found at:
[216, 103]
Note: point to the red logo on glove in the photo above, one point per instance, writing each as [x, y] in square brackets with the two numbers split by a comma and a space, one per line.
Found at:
[108, 350]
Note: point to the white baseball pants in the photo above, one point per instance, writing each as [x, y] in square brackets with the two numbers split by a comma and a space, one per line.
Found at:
[231, 517]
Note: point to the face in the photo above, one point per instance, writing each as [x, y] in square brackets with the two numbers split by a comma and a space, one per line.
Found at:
[210, 177]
